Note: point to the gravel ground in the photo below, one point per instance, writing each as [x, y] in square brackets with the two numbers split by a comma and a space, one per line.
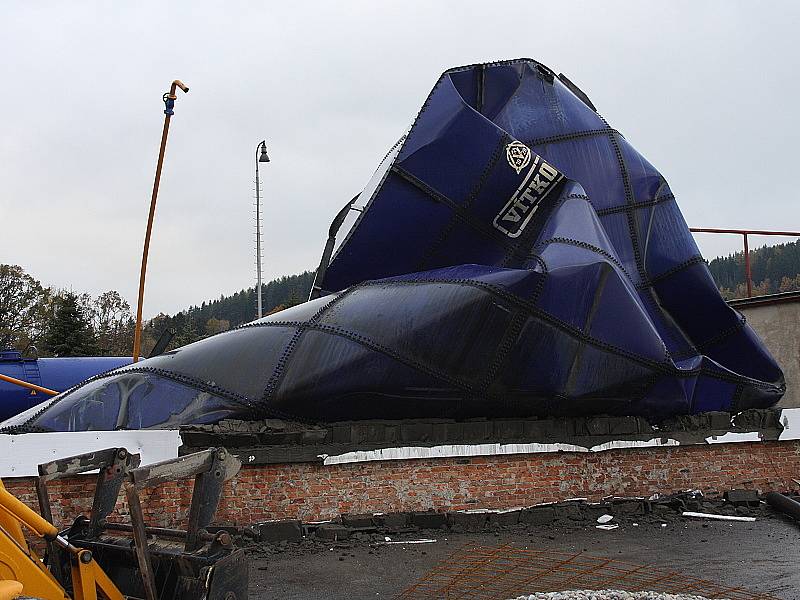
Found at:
[607, 595]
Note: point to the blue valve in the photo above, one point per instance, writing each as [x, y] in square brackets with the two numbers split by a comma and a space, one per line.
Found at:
[169, 104]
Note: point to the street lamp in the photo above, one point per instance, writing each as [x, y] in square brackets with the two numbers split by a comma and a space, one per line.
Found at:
[261, 157]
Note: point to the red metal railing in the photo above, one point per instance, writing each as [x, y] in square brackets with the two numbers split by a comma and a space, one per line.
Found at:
[744, 233]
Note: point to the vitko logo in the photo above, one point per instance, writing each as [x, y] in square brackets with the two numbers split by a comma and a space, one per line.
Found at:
[518, 211]
[518, 156]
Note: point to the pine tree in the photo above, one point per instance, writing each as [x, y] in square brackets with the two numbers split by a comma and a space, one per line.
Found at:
[772, 268]
[68, 330]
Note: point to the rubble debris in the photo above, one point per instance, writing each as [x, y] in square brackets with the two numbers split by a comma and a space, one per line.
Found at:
[333, 532]
[538, 515]
[628, 507]
[392, 521]
[604, 518]
[742, 497]
[358, 521]
[700, 515]
[563, 515]
[784, 504]
[464, 520]
[290, 530]
[273, 441]
[429, 520]
[504, 518]
[570, 510]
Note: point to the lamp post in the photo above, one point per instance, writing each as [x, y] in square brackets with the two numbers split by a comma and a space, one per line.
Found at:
[261, 157]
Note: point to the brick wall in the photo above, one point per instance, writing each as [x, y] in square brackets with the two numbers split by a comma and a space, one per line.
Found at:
[165, 505]
[310, 491]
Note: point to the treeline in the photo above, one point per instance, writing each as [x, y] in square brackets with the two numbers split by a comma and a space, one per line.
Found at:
[774, 269]
[65, 323]
[227, 312]
[61, 322]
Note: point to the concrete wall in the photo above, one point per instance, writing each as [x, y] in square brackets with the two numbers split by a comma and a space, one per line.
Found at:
[779, 327]
[312, 492]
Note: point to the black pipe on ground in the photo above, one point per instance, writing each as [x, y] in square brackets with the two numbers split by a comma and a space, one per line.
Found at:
[784, 504]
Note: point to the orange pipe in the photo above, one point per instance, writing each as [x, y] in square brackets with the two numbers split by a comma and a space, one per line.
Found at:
[30, 386]
[137, 331]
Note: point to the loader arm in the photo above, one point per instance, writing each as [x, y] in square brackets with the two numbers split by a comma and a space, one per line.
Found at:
[21, 570]
[148, 562]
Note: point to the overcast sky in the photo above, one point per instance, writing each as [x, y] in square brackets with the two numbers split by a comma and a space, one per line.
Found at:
[707, 91]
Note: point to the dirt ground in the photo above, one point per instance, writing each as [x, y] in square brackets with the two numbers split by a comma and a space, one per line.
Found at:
[762, 556]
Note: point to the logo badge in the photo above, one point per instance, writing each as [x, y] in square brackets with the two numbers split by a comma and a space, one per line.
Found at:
[540, 180]
[518, 156]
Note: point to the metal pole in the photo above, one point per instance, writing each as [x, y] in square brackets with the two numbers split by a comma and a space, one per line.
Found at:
[747, 274]
[169, 100]
[258, 235]
[744, 233]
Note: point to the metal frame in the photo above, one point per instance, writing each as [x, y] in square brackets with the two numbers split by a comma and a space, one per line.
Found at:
[744, 233]
[119, 469]
[210, 469]
[333, 230]
[112, 464]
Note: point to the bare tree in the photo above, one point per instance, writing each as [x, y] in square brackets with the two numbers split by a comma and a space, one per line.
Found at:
[23, 302]
[111, 319]
[215, 326]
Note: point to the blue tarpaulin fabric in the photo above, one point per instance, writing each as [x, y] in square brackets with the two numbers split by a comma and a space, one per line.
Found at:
[618, 297]
[516, 256]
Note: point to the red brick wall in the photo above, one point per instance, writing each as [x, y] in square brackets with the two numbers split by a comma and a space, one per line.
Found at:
[165, 505]
[313, 492]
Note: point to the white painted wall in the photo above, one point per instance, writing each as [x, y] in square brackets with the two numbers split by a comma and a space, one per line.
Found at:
[21, 454]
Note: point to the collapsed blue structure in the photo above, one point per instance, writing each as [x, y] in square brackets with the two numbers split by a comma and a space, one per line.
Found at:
[515, 257]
